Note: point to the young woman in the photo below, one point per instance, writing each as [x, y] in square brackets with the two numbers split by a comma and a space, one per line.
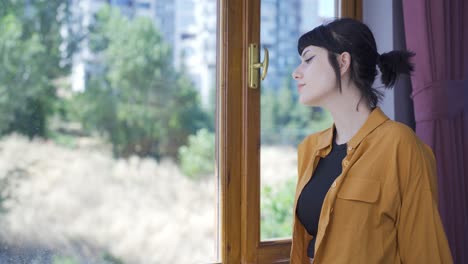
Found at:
[367, 189]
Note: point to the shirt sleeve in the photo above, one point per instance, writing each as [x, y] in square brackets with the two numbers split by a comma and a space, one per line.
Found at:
[421, 236]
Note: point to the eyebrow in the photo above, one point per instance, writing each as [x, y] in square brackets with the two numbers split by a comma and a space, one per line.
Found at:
[304, 53]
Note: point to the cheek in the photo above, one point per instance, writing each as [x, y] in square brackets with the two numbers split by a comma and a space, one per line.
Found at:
[321, 83]
[322, 78]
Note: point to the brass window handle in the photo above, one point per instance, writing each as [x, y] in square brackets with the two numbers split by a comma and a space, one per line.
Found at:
[255, 65]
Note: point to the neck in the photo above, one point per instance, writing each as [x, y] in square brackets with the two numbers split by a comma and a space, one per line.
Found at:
[348, 109]
[347, 117]
[348, 121]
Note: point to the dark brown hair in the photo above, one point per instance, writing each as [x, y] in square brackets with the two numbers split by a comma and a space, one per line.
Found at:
[354, 37]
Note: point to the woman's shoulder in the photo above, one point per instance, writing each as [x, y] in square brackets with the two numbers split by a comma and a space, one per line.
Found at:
[398, 129]
[401, 136]
[397, 132]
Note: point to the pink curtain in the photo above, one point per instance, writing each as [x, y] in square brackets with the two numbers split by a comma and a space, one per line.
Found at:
[438, 32]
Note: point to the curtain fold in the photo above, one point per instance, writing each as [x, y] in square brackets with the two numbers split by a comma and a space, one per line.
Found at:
[438, 32]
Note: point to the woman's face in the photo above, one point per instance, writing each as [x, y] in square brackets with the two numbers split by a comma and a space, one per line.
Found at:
[316, 79]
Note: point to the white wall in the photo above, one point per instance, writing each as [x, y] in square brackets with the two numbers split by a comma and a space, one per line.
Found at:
[378, 15]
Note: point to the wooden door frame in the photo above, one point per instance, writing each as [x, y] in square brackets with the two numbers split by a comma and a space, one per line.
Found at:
[238, 129]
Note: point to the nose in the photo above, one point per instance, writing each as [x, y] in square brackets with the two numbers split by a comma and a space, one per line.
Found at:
[296, 75]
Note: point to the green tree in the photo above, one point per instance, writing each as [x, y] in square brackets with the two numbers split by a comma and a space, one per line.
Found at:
[31, 59]
[138, 100]
[25, 91]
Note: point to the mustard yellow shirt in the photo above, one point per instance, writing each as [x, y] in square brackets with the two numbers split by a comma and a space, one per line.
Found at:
[383, 206]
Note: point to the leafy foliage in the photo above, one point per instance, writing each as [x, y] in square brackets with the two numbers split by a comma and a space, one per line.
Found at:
[276, 209]
[197, 158]
[32, 55]
[25, 93]
[138, 100]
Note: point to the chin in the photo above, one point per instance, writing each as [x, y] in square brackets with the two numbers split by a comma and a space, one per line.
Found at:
[309, 101]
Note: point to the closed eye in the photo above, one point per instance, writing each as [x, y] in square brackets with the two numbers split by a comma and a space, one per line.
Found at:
[309, 59]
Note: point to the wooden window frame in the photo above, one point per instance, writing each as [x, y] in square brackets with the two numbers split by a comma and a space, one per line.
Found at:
[238, 130]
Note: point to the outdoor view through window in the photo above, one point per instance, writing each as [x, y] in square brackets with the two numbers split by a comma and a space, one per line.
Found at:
[107, 128]
[284, 121]
[107, 148]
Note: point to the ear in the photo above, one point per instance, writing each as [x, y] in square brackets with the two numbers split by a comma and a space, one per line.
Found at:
[344, 61]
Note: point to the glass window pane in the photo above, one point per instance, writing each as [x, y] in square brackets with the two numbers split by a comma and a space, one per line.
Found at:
[284, 121]
[107, 135]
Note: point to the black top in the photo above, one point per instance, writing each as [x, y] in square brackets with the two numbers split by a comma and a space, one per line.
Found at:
[311, 198]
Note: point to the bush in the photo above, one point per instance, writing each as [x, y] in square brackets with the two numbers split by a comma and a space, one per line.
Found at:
[276, 209]
[197, 158]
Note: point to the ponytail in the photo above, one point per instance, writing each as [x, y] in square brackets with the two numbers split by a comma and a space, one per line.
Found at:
[393, 63]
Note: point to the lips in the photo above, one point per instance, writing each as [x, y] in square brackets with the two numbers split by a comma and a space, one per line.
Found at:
[300, 86]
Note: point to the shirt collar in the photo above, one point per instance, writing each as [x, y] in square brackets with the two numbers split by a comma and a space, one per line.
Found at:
[375, 119]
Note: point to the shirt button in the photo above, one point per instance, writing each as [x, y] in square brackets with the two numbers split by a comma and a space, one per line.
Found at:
[334, 184]
[331, 210]
[350, 148]
[346, 163]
